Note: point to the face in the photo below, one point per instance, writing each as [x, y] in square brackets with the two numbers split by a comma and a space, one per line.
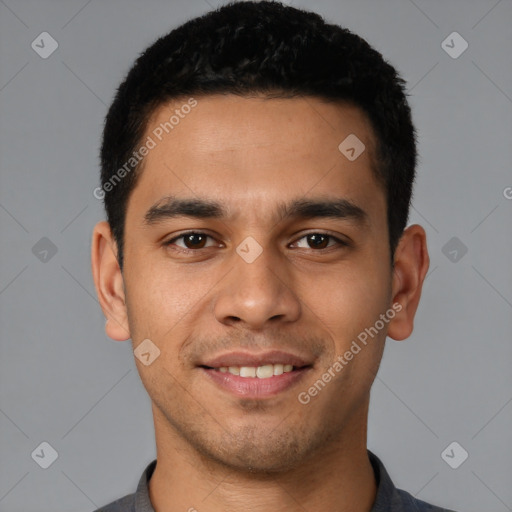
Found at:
[252, 242]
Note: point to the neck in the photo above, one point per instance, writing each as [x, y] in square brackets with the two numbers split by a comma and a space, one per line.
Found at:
[339, 479]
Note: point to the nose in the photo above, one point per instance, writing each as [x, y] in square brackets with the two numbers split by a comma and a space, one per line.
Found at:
[258, 293]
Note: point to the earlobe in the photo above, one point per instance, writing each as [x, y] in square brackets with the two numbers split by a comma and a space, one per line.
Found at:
[108, 281]
[410, 268]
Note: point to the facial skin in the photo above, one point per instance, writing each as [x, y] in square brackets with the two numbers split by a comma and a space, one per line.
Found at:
[252, 155]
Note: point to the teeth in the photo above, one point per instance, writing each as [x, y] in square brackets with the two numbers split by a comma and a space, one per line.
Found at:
[262, 372]
[248, 371]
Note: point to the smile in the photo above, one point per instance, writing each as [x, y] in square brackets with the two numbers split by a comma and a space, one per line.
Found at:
[255, 382]
[261, 372]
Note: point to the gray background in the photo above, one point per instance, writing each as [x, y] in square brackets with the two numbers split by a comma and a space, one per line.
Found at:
[64, 382]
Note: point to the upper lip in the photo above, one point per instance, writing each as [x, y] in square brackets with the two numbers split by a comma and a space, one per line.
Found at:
[259, 359]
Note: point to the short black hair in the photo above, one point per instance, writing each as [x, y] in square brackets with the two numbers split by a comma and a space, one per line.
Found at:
[248, 48]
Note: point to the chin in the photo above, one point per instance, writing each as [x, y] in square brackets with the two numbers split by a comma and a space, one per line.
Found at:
[256, 452]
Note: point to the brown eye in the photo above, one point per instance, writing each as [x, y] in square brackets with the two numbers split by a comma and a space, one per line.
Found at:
[318, 241]
[192, 240]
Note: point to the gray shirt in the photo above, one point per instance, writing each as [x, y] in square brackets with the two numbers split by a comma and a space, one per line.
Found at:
[388, 498]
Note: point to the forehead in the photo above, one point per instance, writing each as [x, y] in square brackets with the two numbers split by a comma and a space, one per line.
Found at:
[254, 151]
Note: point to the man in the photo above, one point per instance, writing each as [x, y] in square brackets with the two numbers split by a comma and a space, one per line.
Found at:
[257, 169]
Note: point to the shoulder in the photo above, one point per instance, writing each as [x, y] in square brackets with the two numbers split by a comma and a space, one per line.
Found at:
[138, 501]
[389, 498]
[412, 504]
[125, 504]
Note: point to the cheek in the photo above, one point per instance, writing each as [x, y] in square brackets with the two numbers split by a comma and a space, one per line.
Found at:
[348, 301]
[161, 298]
[350, 312]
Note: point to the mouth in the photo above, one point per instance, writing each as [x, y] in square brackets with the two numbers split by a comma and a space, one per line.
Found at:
[256, 376]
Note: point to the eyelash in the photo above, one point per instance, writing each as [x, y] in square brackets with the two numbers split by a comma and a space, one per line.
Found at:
[189, 251]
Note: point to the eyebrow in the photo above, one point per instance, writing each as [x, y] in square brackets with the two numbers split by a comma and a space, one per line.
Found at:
[338, 208]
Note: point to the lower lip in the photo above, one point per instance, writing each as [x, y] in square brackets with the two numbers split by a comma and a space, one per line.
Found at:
[253, 387]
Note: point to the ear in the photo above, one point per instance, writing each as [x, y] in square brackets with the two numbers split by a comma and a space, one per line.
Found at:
[109, 283]
[410, 268]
